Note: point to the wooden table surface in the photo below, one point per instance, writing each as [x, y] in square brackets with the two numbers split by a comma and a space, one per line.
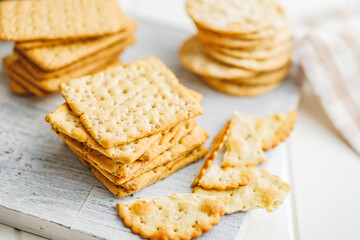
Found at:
[321, 168]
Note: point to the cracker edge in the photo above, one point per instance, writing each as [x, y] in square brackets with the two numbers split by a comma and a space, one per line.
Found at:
[215, 147]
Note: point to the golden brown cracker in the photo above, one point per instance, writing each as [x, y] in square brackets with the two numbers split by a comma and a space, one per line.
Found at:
[215, 147]
[240, 90]
[175, 216]
[147, 104]
[264, 190]
[66, 19]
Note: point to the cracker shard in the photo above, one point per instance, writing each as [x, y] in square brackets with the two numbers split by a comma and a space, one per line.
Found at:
[175, 216]
[215, 147]
[243, 147]
[274, 129]
[264, 190]
[224, 179]
[144, 96]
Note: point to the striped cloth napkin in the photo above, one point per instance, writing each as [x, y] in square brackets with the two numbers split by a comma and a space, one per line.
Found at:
[329, 56]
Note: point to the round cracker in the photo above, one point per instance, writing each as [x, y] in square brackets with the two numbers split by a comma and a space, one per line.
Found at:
[262, 78]
[252, 64]
[235, 42]
[193, 57]
[260, 54]
[233, 16]
[240, 90]
[281, 24]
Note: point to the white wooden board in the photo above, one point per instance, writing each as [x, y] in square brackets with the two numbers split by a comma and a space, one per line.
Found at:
[44, 189]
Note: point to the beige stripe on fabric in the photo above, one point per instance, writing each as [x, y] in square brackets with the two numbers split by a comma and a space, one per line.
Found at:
[333, 73]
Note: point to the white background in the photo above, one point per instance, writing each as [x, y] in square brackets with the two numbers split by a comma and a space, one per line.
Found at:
[323, 171]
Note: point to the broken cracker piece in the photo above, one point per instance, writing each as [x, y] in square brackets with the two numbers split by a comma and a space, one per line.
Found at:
[215, 147]
[243, 147]
[175, 216]
[274, 129]
[263, 191]
[224, 179]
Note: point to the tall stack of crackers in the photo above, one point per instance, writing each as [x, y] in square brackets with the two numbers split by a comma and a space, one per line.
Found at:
[242, 47]
[56, 41]
[132, 125]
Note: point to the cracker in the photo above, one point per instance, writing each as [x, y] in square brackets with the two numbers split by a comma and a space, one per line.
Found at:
[257, 53]
[215, 147]
[17, 88]
[33, 20]
[130, 102]
[223, 179]
[253, 64]
[243, 147]
[175, 216]
[281, 24]
[194, 58]
[233, 16]
[264, 190]
[42, 43]
[265, 78]
[186, 144]
[7, 62]
[120, 173]
[274, 129]
[171, 167]
[235, 42]
[240, 90]
[168, 139]
[65, 121]
[73, 70]
[52, 84]
[55, 57]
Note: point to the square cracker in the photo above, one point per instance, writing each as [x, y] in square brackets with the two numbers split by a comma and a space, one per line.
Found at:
[65, 121]
[130, 102]
[7, 62]
[73, 70]
[66, 19]
[264, 190]
[51, 85]
[120, 173]
[164, 170]
[55, 57]
[176, 216]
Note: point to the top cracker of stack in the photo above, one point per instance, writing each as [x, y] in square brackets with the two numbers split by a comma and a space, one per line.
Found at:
[243, 47]
[56, 41]
[132, 125]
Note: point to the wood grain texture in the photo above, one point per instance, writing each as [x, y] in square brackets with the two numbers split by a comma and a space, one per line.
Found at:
[47, 189]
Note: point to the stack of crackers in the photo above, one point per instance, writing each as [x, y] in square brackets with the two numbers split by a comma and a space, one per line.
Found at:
[132, 125]
[242, 47]
[56, 41]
